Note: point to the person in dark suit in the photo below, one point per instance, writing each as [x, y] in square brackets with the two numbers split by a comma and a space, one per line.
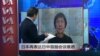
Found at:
[60, 24]
[28, 31]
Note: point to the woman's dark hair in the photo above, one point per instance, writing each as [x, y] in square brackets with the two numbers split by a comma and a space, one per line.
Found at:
[60, 15]
[32, 11]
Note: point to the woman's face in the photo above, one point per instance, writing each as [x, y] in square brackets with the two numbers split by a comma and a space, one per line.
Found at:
[60, 25]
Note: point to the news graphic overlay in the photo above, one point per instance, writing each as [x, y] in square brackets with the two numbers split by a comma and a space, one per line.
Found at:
[64, 26]
[8, 28]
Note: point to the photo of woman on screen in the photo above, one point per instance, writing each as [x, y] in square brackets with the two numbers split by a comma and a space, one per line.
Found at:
[60, 23]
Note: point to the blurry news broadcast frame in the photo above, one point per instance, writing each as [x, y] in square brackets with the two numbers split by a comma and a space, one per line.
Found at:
[77, 27]
[42, 28]
[23, 15]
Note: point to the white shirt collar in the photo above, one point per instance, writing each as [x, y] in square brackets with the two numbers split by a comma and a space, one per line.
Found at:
[30, 18]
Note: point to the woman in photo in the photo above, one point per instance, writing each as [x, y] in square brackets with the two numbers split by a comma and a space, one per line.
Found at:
[60, 24]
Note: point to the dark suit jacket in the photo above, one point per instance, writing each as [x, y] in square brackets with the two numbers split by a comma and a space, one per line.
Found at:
[28, 32]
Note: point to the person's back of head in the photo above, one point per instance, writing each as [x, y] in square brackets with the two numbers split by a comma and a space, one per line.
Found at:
[32, 11]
